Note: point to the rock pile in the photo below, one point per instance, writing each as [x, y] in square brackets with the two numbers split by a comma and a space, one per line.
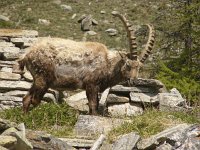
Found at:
[13, 87]
[133, 98]
[179, 137]
[15, 137]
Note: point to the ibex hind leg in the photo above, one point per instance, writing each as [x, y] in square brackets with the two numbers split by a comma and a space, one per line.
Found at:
[92, 95]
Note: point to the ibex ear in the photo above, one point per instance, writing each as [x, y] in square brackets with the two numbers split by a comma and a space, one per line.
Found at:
[124, 57]
[132, 56]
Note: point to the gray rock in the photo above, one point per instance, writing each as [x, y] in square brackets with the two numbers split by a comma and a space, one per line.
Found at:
[44, 22]
[191, 139]
[147, 82]
[123, 89]
[127, 109]
[86, 23]
[22, 142]
[9, 102]
[24, 42]
[78, 101]
[9, 76]
[73, 16]
[27, 76]
[92, 33]
[6, 44]
[9, 131]
[66, 7]
[169, 100]
[143, 97]
[173, 135]
[106, 146]
[43, 141]
[112, 32]
[16, 93]
[94, 22]
[8, 141]
[17, 33]
[6, 69]
[126, 142]
[9, 53]
[102, 12]
[21, 129]
[4, 18]
[5, 124]
[112, 98]
[81, 18]
[29, 9]
[7, 63]
[14, 85]
[79, 143]
[103, 101]
[10, 98]
[48, 97]
[94, 125]
[165, 146]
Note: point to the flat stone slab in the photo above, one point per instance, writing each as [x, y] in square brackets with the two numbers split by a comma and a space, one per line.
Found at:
[9, 76]
[90, 126]
[6, 69]
[123, 89]
[112, 98]
[7, 63]
[147, 82]
[16, 93]
[126, 142]
[10, 98]
[18, 33]
[143, 97]
[170, 100]
[6, 44]
[9, 53]
[78, 101]
[126, 109]
[75, 142]
[14, 85]
[7, 141]
[174, 134]
[23, 41]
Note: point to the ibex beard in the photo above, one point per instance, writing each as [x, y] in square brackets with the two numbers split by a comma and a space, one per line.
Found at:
[67, 65]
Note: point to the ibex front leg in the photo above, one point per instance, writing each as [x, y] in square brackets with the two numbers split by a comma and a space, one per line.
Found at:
[35, 94]
[92, 95]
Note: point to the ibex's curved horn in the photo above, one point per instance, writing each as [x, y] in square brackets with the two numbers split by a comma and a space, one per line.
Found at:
[147, 50]
[130, 32]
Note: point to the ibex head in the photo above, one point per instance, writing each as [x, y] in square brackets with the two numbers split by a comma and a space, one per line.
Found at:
[133, 62]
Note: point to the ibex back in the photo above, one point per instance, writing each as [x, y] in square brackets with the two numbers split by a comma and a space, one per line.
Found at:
[65, 64]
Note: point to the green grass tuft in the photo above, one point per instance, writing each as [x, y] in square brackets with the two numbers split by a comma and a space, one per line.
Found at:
[59, 120]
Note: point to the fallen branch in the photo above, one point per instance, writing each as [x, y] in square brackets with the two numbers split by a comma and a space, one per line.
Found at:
[98, 142]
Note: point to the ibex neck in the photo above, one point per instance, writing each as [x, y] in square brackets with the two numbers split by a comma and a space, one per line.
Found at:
[116, 63]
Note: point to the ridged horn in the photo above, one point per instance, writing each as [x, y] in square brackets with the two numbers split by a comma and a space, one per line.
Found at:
[149, 46]
[130, 34]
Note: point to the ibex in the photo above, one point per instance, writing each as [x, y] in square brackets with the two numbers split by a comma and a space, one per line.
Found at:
[66, 65]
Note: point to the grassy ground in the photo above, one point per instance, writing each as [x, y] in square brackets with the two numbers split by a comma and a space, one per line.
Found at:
[62, 25]
[58, 120]
[153, 122]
